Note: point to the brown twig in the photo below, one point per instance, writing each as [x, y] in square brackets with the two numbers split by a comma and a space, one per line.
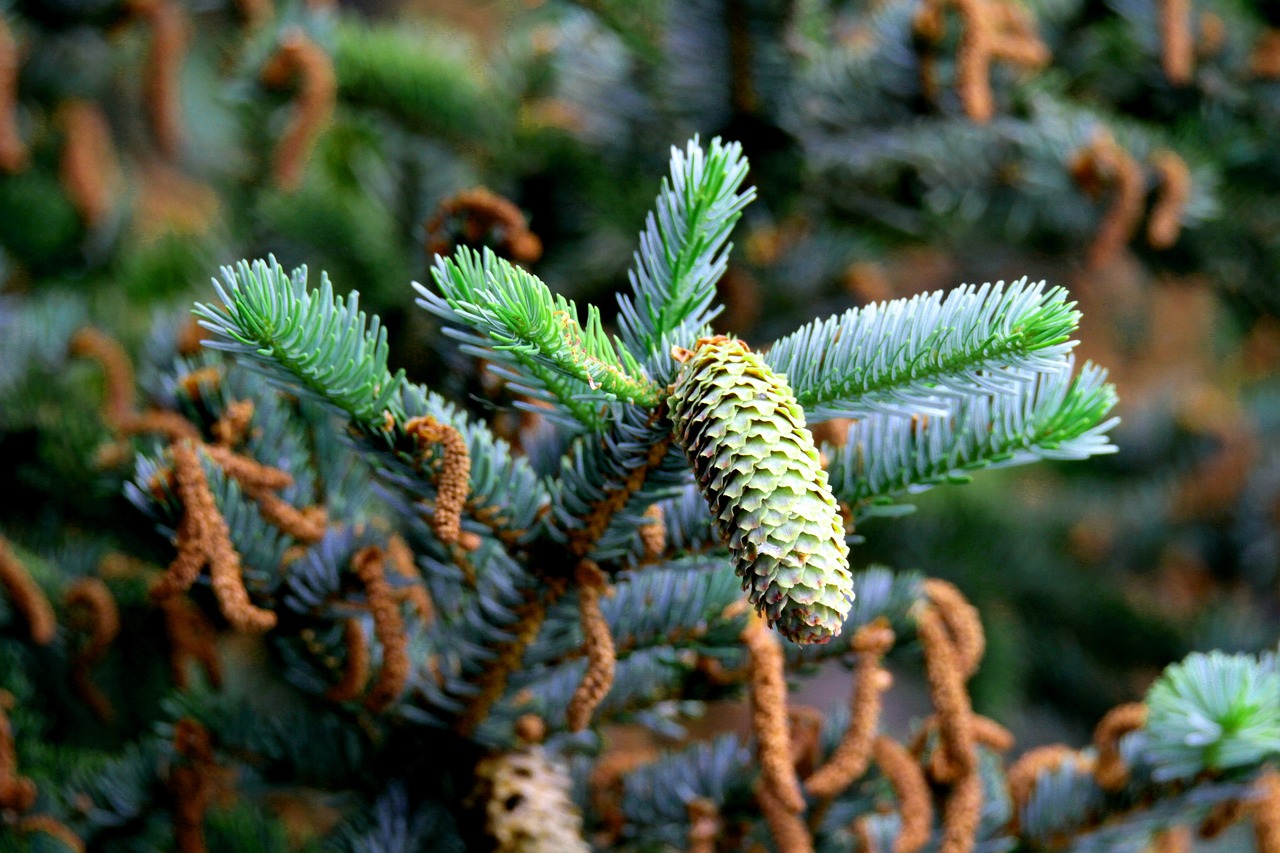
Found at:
[946, 679]
[1025, 772]
[474, 214]
[653, 534]
[191, 637]
[388, 628]
[1111, 772]
[915, 803]
[598, 641]
[52, 827]
[453, 477]
[232, 427]
[160, 77]
[597, 519]
[962, 621]
[789, 831]
[402, 563]
[298, 56]
[13, 151]
[355, 671]
[962, 814]
[704, 826]
[1266, 813]
[1177, 53]
[88, 169]
[103, 623]
[769, 719]
[1104, 162]
[1175, 189]
[17, 793]
[120, 397]
[851, 757]
[26, 595]
[1222, 817]
[190, 784]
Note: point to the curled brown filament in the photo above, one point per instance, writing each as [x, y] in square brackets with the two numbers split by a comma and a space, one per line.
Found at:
[301, 58]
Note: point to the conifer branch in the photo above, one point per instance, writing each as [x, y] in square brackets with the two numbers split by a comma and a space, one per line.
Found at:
[512, 317]
[684, 248]
[919, 355]
[1049, 416]
[311, 341]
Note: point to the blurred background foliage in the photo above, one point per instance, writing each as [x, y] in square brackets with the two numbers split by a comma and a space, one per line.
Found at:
[1123, 148]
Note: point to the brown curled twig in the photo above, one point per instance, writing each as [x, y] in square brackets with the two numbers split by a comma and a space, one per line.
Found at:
[27, 597]
[355, 671]
[962, 621]
[704, 825]
[402, 562]
[232, 427]
[13, 151]
[88, 168]
[388, 628]
[1104, 163]
[789, 831]
[850, 759]
[117, 370]
[298, 56]
[915, 802]
[1266, 813]
[946, 678]
[160, 77]
[597, 639]
[191, 784]
[452, 478]
[1175, 190]
[1111, 772]
[653, 534]
[1023, 775]
[49, 825]
[191, 638]
[769, 720]
[468, 217]
[1222, 817]
[1177, 46]
[17, 793]
[103, 623]
[962, 814]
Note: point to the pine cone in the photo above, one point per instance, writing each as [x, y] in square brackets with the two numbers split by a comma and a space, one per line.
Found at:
[757, 465]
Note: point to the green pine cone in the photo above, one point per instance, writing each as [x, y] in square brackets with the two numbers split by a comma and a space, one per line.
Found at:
[758, 468]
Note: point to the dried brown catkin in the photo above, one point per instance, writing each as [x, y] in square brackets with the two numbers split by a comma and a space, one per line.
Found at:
[598, 641]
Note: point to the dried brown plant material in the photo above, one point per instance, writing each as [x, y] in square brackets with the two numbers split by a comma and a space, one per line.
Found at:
[171, 425]
[946, 677]
[232, 427]
[1111, 772]
[962, 814]
[102, 620]
[1175, 189]
[388, 628]
[1175, 839]
[300, 58]
[13, 151]
[1025, 772]
[1266, 813]
[915, 802]
[851, 757]
[653, 534]
[117, 370]
[402, 562]
[583, 538]
[1213, 35]
[191, 784]
[1222, 817]
[452, 476]
[806, 724]
[769, 720]
[191, 638]
[170, 202]
[355, 670]
[200, 382]
[254, 13]
[1177, 48]
[49, 825]
[1105, 163]
[962, 620]
[203, 539]
[788, 828]
[88, 168]
[260, 482]
[991, 734]
[160, 76]
[704, 825]
[470, 216]
[527, 804]
[27, 597]
[597, 639]
[1265, 61]
[530, 729]
[973, 60]
[16, 792]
